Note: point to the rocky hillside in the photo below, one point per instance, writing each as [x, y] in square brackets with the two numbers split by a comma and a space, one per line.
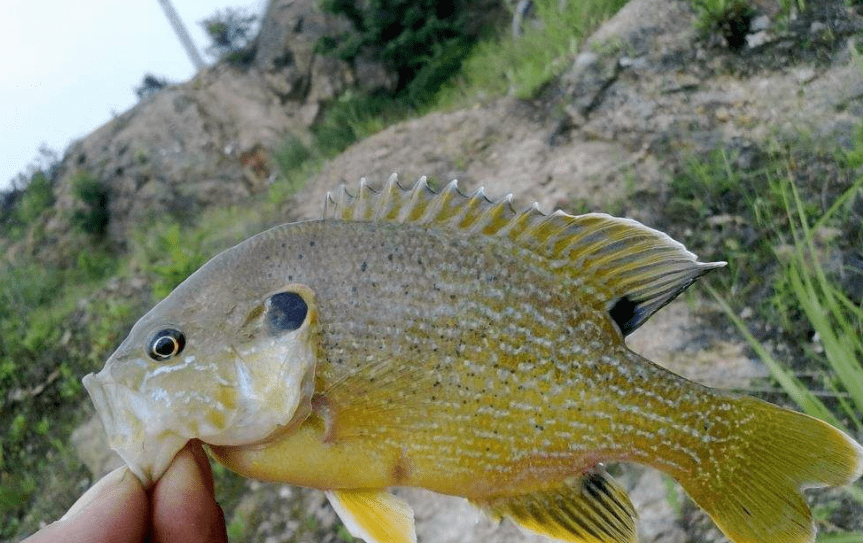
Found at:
[638, 100]
[209, 141]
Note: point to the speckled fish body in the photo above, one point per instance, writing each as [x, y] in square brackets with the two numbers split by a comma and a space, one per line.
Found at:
[458, 366]
[448, 342]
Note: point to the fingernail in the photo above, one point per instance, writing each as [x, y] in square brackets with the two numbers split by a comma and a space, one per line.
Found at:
[105, 484]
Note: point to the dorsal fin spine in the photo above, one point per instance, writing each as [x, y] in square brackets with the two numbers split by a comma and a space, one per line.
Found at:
[419, 192]
[387, 202]
[446, 204]
[498, 214]
[523, 222]
[473, 211]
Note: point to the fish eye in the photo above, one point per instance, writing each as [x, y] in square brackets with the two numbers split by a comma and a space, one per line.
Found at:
[286, 311]
[166, 343]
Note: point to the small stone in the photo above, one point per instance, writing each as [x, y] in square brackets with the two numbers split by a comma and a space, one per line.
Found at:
[585, 60]
[757, 39]
[817, 27]
[762, 22]
[804, 75]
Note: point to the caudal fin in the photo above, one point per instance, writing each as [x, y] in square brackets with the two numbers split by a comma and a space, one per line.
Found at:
[750, 482]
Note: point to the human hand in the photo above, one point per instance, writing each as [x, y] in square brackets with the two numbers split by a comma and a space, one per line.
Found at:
[180, 507]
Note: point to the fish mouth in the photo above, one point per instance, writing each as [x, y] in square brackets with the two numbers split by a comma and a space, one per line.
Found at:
[146, 448]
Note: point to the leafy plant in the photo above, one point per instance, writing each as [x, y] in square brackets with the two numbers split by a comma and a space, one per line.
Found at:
[22, 206]
[93, 194]
[37, 197]
[730, 18]
[296, 162]
[150, 85]
[172, 256]
[407, 36]
[231, 32]
[352, 117]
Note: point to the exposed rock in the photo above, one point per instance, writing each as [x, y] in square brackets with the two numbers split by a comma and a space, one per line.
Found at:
[209, 141]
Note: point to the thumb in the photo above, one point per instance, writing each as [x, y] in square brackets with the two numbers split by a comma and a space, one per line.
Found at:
[114, 509]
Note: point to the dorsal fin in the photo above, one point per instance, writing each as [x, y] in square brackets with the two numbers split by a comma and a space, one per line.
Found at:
[632, 269]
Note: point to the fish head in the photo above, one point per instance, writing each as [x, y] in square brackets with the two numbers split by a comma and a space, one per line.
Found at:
[228, 364]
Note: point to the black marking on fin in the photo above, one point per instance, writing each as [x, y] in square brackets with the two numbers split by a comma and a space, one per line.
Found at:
[591, 508]
[626, 314]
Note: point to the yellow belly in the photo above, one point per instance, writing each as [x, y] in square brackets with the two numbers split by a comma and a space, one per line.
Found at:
[304, 458]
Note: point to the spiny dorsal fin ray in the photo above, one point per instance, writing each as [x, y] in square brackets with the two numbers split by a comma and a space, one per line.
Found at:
[634, 270]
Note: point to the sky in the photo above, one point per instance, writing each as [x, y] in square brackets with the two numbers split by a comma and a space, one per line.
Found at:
[67, 67]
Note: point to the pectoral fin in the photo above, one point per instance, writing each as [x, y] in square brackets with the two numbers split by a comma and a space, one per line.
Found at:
[374, 516]
[592, 508]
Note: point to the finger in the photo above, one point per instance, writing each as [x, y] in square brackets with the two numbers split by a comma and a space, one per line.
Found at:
[115, 509]
[183, 501]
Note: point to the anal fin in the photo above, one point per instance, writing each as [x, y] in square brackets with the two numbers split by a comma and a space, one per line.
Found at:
[592, 508]
[375, 516]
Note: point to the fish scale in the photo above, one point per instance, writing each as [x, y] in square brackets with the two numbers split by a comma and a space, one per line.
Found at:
[450, 342]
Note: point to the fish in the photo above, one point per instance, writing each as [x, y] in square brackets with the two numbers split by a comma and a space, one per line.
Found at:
[447, 341]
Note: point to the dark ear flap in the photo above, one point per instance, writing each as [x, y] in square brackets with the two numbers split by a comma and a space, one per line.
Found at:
[286, 311]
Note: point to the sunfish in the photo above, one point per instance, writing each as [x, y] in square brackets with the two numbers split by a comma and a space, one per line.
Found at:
[448, 342]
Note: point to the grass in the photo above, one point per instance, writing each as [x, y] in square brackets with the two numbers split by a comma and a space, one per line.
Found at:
[497, 66]
[45, 347]
[835, 322]
[521, 67]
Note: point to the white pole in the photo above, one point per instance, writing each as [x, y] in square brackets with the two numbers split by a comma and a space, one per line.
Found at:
[182, 34]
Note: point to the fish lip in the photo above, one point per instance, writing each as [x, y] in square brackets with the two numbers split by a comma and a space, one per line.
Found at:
[93, 385]
[148, 452]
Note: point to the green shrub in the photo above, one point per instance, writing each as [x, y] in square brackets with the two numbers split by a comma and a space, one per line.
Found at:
[37, 197]
[150, 85]
[406, 35]
[729, 18]
[296, 162]
[231, 32]
[350, 118]
[291, 154]
[94, 264]
[170, 253]
[446, 60]
[93, 194]
[21, 207]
